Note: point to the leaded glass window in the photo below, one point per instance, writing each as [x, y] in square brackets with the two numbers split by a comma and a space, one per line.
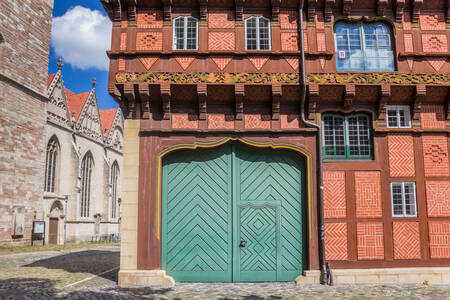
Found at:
[363, 47]
[114, 189]
[257, 36]
[86, 176]
[403, 195]
[185, 32]
[51, 163]
[346, 136]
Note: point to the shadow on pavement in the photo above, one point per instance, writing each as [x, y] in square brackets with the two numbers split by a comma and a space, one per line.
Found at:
[36, 288]
[94, 262]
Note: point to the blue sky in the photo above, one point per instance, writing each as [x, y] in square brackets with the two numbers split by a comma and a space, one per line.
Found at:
[81, 27]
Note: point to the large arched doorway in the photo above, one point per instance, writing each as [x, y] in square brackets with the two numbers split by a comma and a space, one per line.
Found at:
[234, 213]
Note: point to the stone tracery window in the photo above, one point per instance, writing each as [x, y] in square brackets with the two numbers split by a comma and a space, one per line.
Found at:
[114, 189]
[86, 178]
[51, 165]
[185, 33]
[363, 47]
[257, 33]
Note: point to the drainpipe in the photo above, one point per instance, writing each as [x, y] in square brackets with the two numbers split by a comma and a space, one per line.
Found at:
[323, 266]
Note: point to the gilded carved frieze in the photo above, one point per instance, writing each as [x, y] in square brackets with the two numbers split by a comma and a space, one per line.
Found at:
[284, 78]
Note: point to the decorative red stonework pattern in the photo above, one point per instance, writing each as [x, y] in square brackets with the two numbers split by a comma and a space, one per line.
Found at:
[432, 22]
[320, 22]
[258, 61]
[288, 19]
[220, 121]
[290, 121]
[222, 61]
[368, 194]
[408, 39]
[149, 40]
[148, 61]
[438, 198]
[221, 19]
[122, 64]
[434, 43]
[334, 194]
[293, 61]
[124, 24]
[123, 41]
[439, 239]
[257, 121]
[406, 240]
[410, 62]
[336, 241]
[189, 121]
[184, 61]
[406, 21]
[401, 155]
[321, 46]
[435, 150]
[149, 18]
[289, 41]
[370, 241]
[437, 62]
[432, 116]
[224, 41]
[305, 41]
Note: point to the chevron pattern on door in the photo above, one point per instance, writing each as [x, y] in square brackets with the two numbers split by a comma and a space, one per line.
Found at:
[197, 205]
[276, 176]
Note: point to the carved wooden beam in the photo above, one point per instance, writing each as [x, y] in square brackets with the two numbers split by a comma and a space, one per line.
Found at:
[114, 91]
[117, 10]
[239, 94]
[128, 91]
[448, 104]
[347, 7]
[131, 11]
[276, 100]
[385, 95]
[239, 10]
[328, 10]
[202, 94]
[381, 6]
[165, 96]
[276, 10]
[417, 6]
[203, 10]
[167, 4]
[399, 7]
[312, 5]
[448, 12]
[313, 89]
[421, 92]
[350, 92]
[144, 95]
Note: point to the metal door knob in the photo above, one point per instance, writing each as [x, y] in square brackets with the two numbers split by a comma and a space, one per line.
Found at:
[242, 243]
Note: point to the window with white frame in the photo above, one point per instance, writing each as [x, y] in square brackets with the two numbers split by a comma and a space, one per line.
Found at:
[363, 47]
[398, 116]
[86, 176]
[185, 33]
[403, 195]
[257, 33]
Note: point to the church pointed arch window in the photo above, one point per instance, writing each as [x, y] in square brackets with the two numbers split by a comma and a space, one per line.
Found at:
[115, 176]
[51, 166]
[87, 165]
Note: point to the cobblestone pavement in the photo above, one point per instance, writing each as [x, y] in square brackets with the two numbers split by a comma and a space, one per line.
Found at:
[51, 275]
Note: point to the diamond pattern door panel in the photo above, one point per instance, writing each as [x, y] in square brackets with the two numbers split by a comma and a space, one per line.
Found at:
[196, 232]
[258, 233]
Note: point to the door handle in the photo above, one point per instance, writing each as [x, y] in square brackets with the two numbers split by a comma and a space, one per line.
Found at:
[242, 244]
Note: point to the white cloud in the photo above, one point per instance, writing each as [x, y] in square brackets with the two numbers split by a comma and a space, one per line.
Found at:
[81, 36]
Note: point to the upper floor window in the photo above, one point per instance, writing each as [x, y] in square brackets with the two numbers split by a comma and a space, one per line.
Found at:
[363, 47]
[185, 33]
[346, 136]
[257, 33]
[398, 116]
[86, 176]
[51, 163]
[403, 196]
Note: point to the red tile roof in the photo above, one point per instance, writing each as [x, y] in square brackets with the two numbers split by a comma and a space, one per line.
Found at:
[76, 102]
[50, 79]
[107, 118]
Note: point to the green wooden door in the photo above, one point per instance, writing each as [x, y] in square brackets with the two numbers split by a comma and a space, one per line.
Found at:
[233, 213]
